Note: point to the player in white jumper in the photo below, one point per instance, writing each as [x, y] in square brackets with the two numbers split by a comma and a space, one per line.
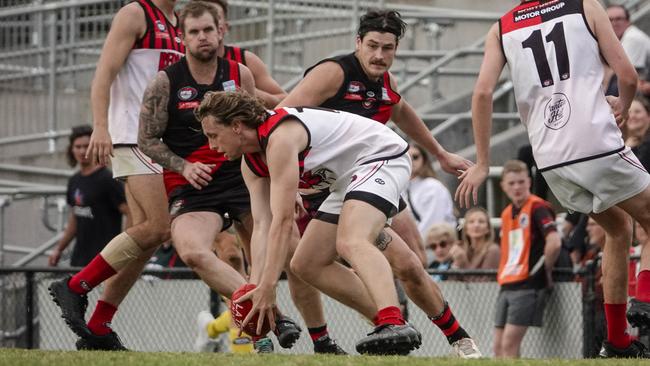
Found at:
[365, 167]
[144, 38]
[553, 50]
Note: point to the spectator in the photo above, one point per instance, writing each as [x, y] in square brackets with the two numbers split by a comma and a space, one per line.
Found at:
[530, 246]
[635, 130]
[477, 249]
[635, 43]
[429, 199]
[439, 241]
[97, 204]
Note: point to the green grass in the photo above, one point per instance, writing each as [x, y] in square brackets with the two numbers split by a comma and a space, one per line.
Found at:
[19, 357]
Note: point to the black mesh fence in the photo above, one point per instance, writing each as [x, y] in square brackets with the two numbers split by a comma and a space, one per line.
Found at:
[160, 314]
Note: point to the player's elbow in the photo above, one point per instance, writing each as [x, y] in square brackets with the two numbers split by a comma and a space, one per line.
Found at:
[482, 93]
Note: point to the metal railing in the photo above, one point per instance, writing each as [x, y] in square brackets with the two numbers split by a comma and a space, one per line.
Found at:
[154, 319]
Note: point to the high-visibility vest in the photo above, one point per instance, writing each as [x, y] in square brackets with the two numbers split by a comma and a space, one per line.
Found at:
[516, 241]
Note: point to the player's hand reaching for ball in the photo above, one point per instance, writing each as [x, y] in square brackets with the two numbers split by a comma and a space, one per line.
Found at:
[263, 298]
[198, 174]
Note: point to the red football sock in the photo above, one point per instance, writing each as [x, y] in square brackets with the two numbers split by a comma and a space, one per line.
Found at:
[100, 321]
[643, 286]
[96, 272]
[317, 332]
[389, 315]
[617, 325]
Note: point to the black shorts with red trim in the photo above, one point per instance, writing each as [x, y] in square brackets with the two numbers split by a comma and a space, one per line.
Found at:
[226, 195]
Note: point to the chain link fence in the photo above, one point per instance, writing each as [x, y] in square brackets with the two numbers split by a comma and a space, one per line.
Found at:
[160, 315]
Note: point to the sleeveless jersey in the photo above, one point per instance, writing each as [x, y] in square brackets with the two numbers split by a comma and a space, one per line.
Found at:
[184, 135]
[159, 47]
[235, 54]
[338, 141]
[360, 95]
[522, 254]
[555, 65]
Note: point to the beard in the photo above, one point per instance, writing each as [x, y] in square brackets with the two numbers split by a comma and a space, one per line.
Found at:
[206, 55]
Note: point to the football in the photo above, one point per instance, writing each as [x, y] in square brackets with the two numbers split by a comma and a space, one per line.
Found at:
[241, 310]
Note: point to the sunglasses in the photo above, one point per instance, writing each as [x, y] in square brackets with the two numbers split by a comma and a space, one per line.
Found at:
[443, 244]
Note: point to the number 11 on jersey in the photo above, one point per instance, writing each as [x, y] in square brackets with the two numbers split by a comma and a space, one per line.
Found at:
[536, 44]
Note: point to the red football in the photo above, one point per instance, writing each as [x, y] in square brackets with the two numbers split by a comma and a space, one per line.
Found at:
[241, 310]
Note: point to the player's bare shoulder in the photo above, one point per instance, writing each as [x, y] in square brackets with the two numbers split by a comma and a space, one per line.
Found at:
[130, 18]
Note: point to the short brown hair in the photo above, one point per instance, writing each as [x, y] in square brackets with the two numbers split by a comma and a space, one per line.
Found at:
[514, 166]
[223, 4]
[195, 9]
[228, 107]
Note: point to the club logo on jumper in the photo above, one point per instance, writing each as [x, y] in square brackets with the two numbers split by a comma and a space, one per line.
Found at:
[356, 87]
[557, 111]
[524, 220]
[319, 179]
[368, 103]
[187, 93]
[229, 86]
[161, 27]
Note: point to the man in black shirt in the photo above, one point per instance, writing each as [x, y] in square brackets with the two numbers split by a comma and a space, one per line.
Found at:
[97, 204]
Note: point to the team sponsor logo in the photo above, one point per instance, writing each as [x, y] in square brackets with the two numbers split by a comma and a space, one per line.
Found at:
[350, 96]
[538, 10]
[167, 59]
[319, 179]
[384, 94]
[162, 35]
[188, 105]
[161, 27]
[356, 87]
[177, 39]
[368, 103]
[524, 220]
[370, 94]
[187, 93]
[229, 86]
[557, 111]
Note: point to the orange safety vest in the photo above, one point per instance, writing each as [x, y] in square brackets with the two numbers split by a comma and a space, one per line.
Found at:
[516, 240]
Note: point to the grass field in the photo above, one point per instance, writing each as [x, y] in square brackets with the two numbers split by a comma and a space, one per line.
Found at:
[15, 357]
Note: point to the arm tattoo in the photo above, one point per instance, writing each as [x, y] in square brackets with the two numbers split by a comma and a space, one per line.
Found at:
[153, 123]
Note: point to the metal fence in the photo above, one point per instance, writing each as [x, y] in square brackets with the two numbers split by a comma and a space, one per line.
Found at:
[159, 315]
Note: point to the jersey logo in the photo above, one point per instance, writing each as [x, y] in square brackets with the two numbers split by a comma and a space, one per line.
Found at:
[161, 27]
[167, 59]
[177, 39]
[523, 220]
[187, 93]
[188, 105]
[229, 86]
[368, 103]
[384, 94]
[557, 111]
[350, 96]
[356, 86]
[320, 179]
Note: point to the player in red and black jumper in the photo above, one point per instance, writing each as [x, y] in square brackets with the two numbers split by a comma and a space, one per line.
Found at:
[361, 83]
[206, 191]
